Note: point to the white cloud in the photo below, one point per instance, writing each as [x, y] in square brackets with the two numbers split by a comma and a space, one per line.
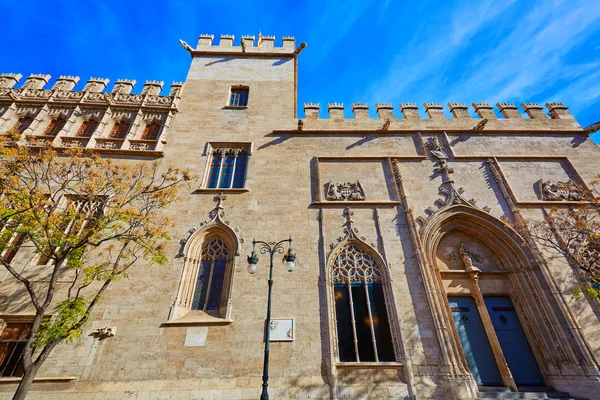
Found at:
[451, 64]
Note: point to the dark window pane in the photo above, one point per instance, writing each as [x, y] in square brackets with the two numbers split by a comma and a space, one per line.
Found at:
[216, 285]
[381, 325]
[214, 171]
[201, 285]
[239, 97]
[363, 323]
[227, 169]
[344, 323]
[240, 171]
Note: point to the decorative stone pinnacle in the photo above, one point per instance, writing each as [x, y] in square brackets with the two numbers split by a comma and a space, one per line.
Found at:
[207, 36]
[311, 105]
[383, 105]
[360, 105]
[289, 38]
[335, 105]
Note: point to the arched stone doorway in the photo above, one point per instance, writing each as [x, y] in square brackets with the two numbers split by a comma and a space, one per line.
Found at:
[472, 257]
[487, 324]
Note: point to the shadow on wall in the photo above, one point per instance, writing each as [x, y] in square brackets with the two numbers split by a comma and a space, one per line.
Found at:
[352, 384]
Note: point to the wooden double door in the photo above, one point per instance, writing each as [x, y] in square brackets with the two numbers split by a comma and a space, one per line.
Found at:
[510, 335]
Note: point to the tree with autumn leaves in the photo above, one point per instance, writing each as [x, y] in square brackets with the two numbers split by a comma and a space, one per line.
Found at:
[90, 220]
[573, 233]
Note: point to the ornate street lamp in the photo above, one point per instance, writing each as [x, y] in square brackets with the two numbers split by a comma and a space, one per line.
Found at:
[271, 248]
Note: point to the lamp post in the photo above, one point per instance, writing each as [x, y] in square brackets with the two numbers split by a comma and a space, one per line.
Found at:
[271, 248]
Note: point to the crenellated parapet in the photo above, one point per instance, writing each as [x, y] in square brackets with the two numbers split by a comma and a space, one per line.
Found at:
[96, 118]
[458, 116]
[94, 91]
[248, 45]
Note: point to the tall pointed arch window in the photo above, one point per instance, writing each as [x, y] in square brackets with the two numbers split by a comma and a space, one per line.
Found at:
[211, 276]
[362, 324]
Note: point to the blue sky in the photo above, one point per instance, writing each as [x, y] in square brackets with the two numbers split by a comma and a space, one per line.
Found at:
[369, 51]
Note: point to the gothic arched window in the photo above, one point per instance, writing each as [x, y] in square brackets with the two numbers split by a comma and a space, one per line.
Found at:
[119, 130]
[151, 131]
[363, 328]
[55, 126]
[87, 128]
[211, 276]
[23, 123]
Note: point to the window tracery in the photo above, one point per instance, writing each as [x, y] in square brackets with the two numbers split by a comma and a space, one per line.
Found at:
[211, 276]
[362, 323]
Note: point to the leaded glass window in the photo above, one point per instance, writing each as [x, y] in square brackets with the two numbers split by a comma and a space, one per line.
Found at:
[227, 168]
[362, 324]
[211, 276]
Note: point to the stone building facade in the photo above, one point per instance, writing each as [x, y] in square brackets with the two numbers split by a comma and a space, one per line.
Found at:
[407, 267]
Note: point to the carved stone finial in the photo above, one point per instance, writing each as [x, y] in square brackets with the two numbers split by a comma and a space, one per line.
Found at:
[348, 215]
[219, 199]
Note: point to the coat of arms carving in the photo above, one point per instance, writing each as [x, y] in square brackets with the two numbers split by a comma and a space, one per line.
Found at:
[345, 191]
[560, 191]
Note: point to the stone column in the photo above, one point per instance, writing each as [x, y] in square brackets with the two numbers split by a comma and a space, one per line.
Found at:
[505, 373]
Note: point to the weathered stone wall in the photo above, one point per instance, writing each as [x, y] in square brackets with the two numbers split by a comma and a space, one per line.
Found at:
[287, 176]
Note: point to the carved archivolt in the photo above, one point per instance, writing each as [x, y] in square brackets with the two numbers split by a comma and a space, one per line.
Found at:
[346, 191]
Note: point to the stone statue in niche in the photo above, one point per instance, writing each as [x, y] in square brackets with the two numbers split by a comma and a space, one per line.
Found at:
[467, 257]
[560, 191]
[347, 191]
[435, 148]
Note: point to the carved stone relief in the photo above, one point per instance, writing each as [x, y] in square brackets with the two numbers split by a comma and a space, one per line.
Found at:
[345, 191]
[560, 191]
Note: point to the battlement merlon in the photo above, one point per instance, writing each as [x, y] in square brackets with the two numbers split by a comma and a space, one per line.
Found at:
[36, 81]
[510, 119]
[9, 80]
[248, 46]
[65, 82]
[124, 86]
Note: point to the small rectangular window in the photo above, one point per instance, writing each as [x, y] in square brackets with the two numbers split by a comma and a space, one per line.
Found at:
[239, 97]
